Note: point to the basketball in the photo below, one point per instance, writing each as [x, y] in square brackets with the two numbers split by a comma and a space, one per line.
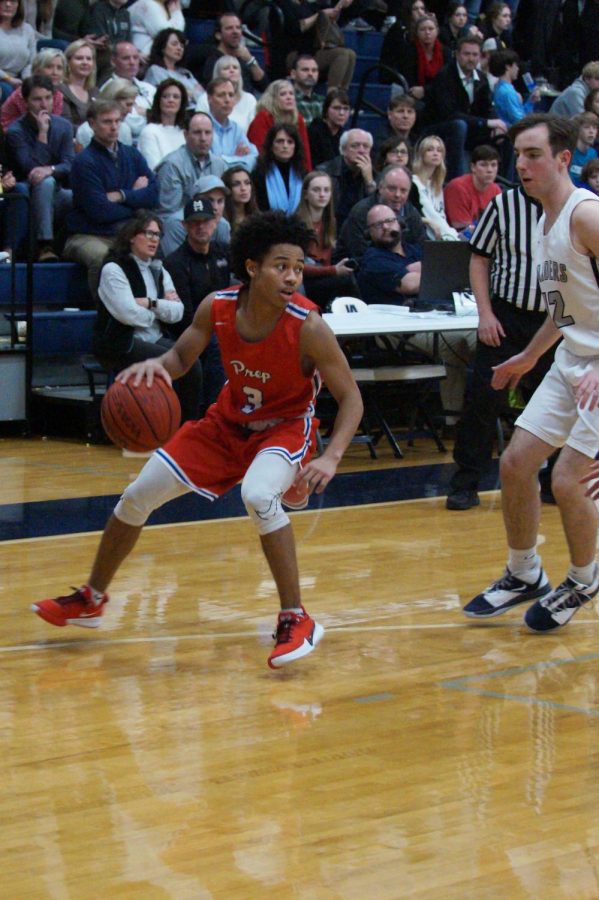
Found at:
[140, 418]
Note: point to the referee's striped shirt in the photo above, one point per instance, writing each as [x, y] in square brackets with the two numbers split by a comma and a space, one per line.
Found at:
[505, 232]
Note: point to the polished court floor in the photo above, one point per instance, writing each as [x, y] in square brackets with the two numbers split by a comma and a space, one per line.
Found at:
[414, 754]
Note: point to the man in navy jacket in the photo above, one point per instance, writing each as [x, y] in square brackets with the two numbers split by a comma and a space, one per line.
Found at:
[40, 151]
[110, 182]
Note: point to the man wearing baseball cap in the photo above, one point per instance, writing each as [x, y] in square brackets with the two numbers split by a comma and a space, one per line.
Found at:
[200, 265]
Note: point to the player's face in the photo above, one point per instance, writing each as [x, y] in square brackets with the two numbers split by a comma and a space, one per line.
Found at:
[279, 274]
[538, 168]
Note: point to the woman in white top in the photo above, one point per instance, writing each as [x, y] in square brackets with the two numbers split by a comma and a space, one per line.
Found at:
[148, 17]
[165, 58]
[17, 46]
[428, 177]
[166, 120]
[245, 103]
[138, 303]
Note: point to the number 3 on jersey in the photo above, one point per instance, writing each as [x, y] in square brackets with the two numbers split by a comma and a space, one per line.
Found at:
[254, 399]
[557, 308]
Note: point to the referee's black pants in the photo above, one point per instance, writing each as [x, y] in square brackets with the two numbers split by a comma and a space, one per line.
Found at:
[476, 429]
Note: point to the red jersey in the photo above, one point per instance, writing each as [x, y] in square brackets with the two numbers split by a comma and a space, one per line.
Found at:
[265, 381]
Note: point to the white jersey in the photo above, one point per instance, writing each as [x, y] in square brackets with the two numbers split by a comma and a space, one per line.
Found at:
[569, 281]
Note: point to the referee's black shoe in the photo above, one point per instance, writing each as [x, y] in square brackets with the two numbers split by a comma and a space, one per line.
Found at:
[465, 499]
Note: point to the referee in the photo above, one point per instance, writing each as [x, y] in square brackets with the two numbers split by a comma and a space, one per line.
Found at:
[510, 312]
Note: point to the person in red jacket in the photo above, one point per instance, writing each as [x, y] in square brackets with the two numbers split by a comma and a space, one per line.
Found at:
[278, 105]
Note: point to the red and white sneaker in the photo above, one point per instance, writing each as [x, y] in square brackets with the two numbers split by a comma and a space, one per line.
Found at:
[78, 608]
[296, 497]
[296, 636]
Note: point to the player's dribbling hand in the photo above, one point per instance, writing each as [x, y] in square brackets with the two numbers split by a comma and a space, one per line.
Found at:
[592, 479]
[586, 392]
[148, 369]
[316, 475]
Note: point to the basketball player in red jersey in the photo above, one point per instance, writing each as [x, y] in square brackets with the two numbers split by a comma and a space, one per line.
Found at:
[261, 430]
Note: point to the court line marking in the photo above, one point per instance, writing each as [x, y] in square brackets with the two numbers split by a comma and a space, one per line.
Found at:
[196, 522]
[452, 684]
[465, 685]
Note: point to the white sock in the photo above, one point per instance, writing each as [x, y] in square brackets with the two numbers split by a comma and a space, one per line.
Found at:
[583, 574]
[96, 595]
[526, 564]
[293, 609]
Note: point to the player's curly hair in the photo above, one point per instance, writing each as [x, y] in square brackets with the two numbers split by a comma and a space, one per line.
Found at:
[261, 231]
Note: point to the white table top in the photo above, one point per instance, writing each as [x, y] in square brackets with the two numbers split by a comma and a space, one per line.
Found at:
[363, 324]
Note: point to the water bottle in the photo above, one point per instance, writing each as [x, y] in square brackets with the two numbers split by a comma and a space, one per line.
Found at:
[529, 82]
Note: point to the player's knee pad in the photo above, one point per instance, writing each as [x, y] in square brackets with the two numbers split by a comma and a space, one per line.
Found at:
[264, 508]
[134, 506]
[154, 486]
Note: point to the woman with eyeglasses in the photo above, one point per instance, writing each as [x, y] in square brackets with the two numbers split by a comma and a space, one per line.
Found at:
[394, 151]
[166, 54]
[280, 170]
[244, 110]
[325, 132]
[17, 46]
[138, 303]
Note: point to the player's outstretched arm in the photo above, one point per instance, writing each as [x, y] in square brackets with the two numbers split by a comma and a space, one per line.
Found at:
[179, 359]
[509, 373]
[319, 345]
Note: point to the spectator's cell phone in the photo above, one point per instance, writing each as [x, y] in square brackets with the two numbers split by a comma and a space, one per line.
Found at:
[351, 263]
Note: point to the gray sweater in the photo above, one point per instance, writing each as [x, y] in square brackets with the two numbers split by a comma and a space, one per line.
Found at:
[17, 49]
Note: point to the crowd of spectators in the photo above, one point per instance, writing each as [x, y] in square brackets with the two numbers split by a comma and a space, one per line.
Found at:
[110, 115]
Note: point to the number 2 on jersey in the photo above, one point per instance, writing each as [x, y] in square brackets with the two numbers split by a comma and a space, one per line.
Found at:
[556, 306]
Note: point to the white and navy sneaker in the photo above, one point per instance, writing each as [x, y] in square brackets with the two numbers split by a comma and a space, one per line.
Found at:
[507, 591]
[557, 608]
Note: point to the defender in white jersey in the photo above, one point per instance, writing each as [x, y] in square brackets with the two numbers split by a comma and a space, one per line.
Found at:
[563, 412]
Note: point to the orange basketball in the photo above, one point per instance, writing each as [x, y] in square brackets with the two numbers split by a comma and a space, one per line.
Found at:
[140, 418]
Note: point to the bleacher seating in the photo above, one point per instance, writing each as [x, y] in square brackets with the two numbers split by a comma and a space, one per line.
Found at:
[199, 31]
[54, 284]
[365, 43]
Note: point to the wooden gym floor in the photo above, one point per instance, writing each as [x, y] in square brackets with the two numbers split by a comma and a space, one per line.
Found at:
[414, 754]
